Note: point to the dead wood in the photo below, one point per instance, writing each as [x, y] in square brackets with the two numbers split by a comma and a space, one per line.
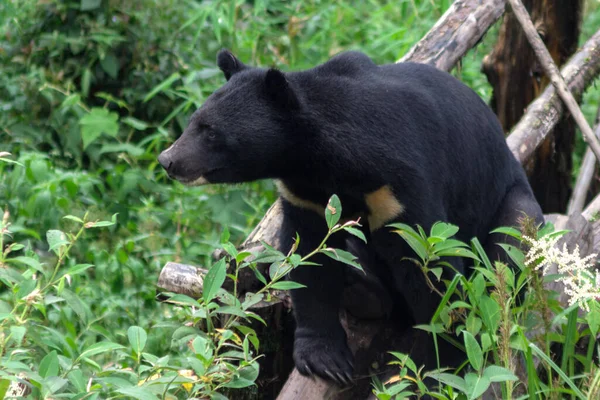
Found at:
[584, 179]
[517, 79]
[545, 112]
[552, 71]
[455, 33]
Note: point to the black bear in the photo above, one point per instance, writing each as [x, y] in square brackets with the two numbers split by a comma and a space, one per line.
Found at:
[398, 142]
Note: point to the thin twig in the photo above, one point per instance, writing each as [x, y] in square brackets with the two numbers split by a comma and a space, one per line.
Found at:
[584, 179]
[552, 71]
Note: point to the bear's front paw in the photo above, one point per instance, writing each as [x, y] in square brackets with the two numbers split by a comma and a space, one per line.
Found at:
[327, 358]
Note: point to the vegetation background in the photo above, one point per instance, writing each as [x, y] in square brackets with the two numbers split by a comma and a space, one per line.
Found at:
[92, 90]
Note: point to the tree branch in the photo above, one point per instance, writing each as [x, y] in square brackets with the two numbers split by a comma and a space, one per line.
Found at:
[545, 112]
[455, 33]
[552, 71]
[584, 179]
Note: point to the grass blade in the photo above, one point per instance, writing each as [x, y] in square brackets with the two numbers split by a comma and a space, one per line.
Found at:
[559, 371]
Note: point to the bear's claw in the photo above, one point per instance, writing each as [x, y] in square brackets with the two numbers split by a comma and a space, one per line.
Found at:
[326, 358]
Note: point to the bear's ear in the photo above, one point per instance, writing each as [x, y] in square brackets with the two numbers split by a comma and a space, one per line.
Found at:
[228, 63]
[279, 89]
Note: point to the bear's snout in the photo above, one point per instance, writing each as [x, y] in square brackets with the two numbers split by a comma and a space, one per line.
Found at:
[165, 159]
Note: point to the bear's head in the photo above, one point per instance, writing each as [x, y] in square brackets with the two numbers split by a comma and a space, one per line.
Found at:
[242, 132]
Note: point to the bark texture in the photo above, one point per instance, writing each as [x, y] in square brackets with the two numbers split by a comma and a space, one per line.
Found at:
[517, 78]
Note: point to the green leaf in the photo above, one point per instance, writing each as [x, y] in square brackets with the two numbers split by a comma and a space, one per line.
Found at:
[77, 269]
[78, 380]
[356, 232]
[232, 310]
[593, 317]
[135, 123]
[86, 77]
[97, 122]
[87, 5]
[252, 299]
[56, 239]
[29, 261]
[478, 286]
[559, 371]
[162, 86]
[225, 235]
[102, 224]
[437, 272]
[139, 393]
[49, 365]
[431, 328]
[26, 287]
[457, 252]
[137, 338]
[474, 352]
[98, 348]
[476, 385]
[55, 383]
[448, 244]
[76, 304]
[214, 280]
[413, 239]
[482, 254]
[451, 380]
[404, 360]
[202, 347]
[73, 218]
[515, 255]
[490, 313]
[183, 300]
[507, 230]
[499, 374]
[473, 324]
[18, 333]
[443, 230]
[246, 377]
[343, 256]
[70, 100]
[333, 211]
[4, 385]
[128, 148]
[287, 285]
[110, 65]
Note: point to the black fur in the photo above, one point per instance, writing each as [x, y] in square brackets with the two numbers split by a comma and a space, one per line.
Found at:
[351, 127]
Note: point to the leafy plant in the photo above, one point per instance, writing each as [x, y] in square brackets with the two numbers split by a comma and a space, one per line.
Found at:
[490, 315]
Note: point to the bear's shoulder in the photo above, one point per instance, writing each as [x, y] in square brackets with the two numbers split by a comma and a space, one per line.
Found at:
[349, 63]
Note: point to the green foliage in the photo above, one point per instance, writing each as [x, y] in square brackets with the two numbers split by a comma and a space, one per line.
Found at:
[71, 363]
[90, 92]
[491, 310]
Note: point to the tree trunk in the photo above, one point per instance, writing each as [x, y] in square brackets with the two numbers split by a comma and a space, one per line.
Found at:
[517, 79]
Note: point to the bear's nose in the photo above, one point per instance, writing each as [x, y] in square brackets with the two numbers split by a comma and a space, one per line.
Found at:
[165, 160]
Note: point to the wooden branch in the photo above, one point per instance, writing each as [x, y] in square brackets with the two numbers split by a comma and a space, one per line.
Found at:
[182, 279]
[584, 179]
[552, 71]
[545, 112]
[592, 209]
[455, 33]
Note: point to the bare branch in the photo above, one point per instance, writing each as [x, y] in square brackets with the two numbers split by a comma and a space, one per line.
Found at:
[584, 179]
[545, 112]
[455, 33]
